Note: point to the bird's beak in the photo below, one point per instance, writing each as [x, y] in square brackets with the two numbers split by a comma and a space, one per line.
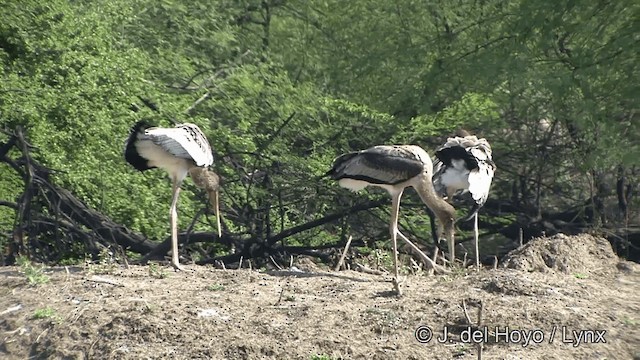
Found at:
[213, 197]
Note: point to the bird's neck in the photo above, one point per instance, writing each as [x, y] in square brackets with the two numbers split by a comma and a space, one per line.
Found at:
[442, 209]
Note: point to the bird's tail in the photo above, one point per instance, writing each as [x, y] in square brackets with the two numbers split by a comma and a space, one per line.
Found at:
[131, 152]
[324, 175]
[474, 210]
[139, 127]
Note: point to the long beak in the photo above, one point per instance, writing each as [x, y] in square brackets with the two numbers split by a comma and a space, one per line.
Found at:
[213, 197]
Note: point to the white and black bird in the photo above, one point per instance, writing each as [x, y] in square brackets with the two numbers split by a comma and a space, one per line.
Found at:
[464, 165]
[181, 150]
[394, 168]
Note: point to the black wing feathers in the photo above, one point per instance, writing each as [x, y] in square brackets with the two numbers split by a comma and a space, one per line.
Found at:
[394, 164]
[378, 165]
[338, 165]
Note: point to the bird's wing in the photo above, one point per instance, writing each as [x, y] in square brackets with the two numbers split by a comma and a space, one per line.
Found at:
[438, 170]
[476, 154]
[384, 164]
[480, 182]
[480, 178]
[184, 141]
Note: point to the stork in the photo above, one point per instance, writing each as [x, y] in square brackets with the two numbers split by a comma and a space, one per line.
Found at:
[464, 164]
[182, 150]
[394, 168]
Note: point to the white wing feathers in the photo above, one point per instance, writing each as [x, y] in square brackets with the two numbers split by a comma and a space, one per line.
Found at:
[184, 141]
[480, 182]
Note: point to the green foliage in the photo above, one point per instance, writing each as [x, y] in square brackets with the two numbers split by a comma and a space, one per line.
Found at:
[320, 357]
[158, 272]
[471, 110]
[34, 274]
[106, 263]
[215, 287]
[47, 313]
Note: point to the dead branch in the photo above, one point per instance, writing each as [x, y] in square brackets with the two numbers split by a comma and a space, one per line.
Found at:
[366, 270]
[46, 211]
[9, 204]
[103, 280]
[161, 249]
[344, 254]
[324, 220]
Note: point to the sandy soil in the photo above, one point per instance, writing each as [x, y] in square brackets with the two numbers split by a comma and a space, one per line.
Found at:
[547, 295]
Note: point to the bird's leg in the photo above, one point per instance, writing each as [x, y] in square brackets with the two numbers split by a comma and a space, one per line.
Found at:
[475, 240]
[435, 254]
[451, 243]
[393, 229]
[173, 215]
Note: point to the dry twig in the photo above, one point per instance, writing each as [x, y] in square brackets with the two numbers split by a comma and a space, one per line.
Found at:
[100, 279]
[344, 254]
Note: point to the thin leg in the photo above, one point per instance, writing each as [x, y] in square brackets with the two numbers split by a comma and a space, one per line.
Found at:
[173, 215]
[393, 230]
[452, 245]
[435, 254]
[475, 240]
[452, 251]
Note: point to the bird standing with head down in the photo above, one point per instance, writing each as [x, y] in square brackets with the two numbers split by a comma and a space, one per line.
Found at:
[464, 164]
[394, 168]
[182, 150]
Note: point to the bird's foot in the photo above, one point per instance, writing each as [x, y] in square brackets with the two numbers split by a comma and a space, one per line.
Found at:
[440, 269]
[396, 285]
[177, 267]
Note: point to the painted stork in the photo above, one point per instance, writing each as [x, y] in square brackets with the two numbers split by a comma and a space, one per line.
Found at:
[180, 150]
[393, 168]
[464, 164]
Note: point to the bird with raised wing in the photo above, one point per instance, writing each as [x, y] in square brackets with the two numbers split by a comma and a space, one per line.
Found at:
[181, 150]
[464, 165]
[394, 168]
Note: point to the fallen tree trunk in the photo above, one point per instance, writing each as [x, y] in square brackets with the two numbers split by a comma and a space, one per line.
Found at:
[69, 220]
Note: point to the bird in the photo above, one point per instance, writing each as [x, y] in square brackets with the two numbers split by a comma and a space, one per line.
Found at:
[464, 165]
[181, 150]
[394, 168]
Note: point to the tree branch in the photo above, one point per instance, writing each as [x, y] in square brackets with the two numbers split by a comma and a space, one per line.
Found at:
[214, 76]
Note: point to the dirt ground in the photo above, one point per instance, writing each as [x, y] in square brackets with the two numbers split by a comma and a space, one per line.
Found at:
[546, 297]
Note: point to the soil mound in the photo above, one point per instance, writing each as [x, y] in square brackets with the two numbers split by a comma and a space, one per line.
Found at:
[578, 254]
